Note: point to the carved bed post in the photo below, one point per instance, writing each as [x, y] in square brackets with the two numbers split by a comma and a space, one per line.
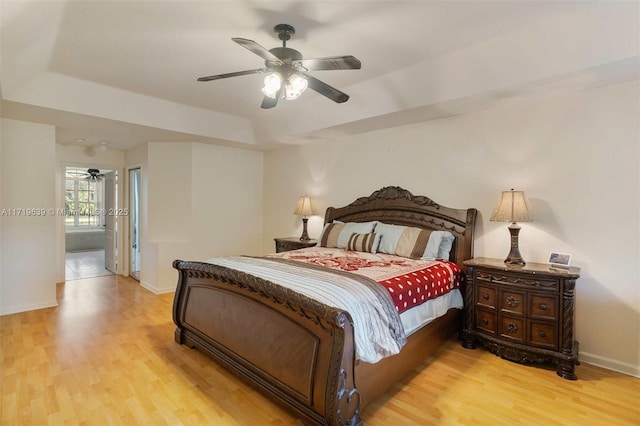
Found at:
[566, 368]
[468, 341]
[346, 398]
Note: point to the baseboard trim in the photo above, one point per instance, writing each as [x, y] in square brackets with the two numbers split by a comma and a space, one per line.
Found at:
[25, 308]
[610, 364]
[156, 290]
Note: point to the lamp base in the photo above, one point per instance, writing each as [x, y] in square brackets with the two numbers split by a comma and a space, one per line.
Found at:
[305, 235]
[514, 257]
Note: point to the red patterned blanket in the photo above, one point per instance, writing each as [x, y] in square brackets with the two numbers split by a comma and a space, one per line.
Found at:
[409, 282]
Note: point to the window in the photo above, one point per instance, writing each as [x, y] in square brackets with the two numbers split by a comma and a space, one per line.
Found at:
[83, 199]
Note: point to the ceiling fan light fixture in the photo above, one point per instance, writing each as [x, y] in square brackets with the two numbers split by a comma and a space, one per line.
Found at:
[295, 86]
[272, 84]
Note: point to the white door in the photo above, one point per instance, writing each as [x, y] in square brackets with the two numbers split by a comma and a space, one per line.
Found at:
[110, 225]
[134, 222]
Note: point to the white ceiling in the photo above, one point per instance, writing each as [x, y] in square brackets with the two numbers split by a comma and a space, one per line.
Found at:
[124, 72]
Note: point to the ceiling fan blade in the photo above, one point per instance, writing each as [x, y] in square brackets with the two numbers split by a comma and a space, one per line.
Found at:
[332, 63]
[232, 74]
[326, 90]
[269, 102]
[258, 50]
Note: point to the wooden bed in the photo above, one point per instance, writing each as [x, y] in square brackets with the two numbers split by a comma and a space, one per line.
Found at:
[299, 351]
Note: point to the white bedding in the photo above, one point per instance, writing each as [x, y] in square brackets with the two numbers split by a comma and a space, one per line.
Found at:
[378, 330]
[377, 324]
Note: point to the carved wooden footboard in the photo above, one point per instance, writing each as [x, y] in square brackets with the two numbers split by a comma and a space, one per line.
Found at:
[298, 350]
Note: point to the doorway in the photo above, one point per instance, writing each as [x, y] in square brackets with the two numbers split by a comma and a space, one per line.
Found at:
[90, 222]
[134, 223]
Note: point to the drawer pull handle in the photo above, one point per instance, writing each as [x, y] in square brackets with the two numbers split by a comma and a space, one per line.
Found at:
[485, 296]
[541, 333]
[544, 306]
[512, 327]
[485, 321]
[512, 302]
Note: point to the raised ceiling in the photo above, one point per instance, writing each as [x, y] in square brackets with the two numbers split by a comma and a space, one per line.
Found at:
[124, 72]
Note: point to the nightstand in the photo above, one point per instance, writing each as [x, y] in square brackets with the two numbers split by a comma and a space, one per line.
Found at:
[522, 313]
[292, 243]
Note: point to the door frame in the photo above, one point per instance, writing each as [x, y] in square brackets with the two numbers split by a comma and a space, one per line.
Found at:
[126, 225]
[60, 227]
[128, 249]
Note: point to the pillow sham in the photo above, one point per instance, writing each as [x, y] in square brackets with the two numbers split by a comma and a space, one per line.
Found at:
[444, 251]
[403, 241]
[364, 242]
[337, 234]
[330, 234]
[407, 241]
[390, 236]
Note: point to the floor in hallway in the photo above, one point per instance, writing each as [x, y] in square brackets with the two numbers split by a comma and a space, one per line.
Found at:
[85, 264]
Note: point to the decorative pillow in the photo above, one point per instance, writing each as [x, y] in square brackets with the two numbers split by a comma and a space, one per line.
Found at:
[390, 236]
[337, 234]
[364, 242]
[407, 241]
[413, 242]
[330, 234]
[354, 227]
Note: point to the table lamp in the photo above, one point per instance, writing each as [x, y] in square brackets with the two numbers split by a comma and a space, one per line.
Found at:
[304, 209]
[512, 207]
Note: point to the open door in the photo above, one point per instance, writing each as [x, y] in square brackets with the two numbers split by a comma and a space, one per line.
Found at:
[110, 222]
[134, 223]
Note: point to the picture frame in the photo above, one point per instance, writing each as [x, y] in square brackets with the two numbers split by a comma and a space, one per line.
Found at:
[559, 260]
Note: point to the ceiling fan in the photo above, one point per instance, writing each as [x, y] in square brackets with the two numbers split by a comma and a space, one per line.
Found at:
[288, 72]
[94, 175]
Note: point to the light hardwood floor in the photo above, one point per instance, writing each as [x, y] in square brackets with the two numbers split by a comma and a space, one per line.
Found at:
[106, 355]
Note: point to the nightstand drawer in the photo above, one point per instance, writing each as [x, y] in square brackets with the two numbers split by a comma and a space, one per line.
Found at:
[543, 335]
[516, 280]
[512, 302]
[513, 329]
[486, 297]
[486, 321]
[543, 307]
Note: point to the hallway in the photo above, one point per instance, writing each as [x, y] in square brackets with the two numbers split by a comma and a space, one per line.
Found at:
[85, 264]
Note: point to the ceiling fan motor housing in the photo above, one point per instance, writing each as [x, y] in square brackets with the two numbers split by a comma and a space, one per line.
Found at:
[285, 54]
[284, 31]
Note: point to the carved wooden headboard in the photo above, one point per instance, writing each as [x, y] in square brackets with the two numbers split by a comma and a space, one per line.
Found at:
[395, 205]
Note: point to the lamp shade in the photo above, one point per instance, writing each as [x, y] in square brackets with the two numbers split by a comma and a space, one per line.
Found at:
[304, 207]
[512, 207]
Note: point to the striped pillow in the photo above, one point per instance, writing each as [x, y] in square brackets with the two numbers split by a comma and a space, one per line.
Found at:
[407, 241]
[330, 234]
[412, 243]
[364, 242]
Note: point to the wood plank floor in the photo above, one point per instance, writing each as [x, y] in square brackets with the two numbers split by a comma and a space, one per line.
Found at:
[106, 355]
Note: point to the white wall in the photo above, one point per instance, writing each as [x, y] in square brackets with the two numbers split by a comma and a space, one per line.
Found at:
[27, 174]
[226, 201]
[576, 156]
[202, 201]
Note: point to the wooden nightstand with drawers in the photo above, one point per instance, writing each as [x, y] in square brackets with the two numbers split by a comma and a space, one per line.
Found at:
[292, 243]
[522, 313]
